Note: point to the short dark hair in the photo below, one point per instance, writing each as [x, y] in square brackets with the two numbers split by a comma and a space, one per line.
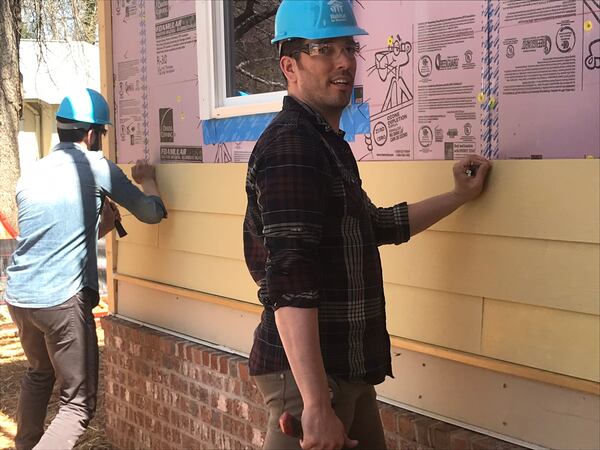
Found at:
[291, 48]
[77, 134]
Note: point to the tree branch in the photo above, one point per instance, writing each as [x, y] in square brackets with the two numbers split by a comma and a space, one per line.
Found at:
[240, 68]
[249, 23]
[248, 12]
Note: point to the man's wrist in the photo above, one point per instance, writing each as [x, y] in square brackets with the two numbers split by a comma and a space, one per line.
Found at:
[459, 198]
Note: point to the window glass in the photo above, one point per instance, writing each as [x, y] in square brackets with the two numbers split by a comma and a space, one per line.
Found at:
[251, 61]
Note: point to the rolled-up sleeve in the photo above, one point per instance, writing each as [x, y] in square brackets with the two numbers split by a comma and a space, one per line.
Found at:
[390, 225]
[116, 185]
[291, 183]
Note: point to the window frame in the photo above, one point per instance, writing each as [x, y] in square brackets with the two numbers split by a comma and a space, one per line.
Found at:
[210, 47]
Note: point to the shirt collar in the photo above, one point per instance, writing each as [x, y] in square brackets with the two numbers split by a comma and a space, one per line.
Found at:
[290, 102]
[70, 145]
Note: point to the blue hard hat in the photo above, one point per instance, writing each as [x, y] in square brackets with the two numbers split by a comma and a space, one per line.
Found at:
[315, 19]
[86, 105]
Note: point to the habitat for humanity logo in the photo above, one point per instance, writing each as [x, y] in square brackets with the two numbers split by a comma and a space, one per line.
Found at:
[337, 11]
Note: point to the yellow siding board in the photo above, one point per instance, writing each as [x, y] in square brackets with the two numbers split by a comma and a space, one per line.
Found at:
[533, 411]
[546, 273]
[220, 276]
[436, 317]
[208, 234]
[217, 188]
[536, 412]
[558, 341]
[209, 322]
[138, 232]
[553, 199]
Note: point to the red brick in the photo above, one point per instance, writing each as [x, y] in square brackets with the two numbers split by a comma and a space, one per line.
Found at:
[405, 425]
[404, 444]
[233, 386]
[198, 392]
[461, 440]
[440, 434]
[214, 361]
[233, 365]
[171, 363]
[489, 443]
[224, 364]
[422, 426]
[189, 443]
[206, 354]
[388, 418]
[197, 352]
[211, 379]
[251, 393]
[142, 368]
[178, 383]
[243, 371]
[390, 441]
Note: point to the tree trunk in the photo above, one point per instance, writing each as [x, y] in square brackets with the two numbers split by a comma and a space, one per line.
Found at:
[11, 103]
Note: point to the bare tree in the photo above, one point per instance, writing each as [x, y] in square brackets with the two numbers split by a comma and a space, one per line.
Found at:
[11, 103]
[256, 62]
[60, 20]
[42, 20]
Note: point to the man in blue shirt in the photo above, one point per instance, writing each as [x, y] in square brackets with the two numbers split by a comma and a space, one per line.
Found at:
[53, 278]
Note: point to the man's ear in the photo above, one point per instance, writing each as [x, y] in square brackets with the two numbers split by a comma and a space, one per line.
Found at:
[89, 138]
[289, 66]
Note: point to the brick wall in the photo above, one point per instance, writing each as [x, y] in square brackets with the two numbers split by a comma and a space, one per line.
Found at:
[164, 392]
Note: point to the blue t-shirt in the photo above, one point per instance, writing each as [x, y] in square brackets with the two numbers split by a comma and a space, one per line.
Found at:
[60, 201]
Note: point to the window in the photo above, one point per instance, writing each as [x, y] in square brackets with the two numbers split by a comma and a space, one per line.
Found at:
[238, 67]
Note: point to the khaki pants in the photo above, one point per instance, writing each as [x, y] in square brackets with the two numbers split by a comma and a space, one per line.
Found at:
[354, 404]
[59, 342]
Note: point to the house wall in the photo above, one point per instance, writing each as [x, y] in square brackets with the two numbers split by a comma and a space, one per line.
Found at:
[166, 392]
[506, 278]
[494, 312]
[37, 134]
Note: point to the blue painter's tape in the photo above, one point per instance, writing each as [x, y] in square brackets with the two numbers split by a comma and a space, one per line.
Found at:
[235, 129]
[355, 120]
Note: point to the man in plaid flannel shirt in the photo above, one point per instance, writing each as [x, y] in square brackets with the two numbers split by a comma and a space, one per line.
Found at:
[311, 238]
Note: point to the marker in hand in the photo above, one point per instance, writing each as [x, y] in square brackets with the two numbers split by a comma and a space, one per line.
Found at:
[290, 425]
[120, 228]
[471, 170]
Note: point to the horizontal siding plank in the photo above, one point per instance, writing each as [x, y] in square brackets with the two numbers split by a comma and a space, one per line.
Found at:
[215, 188]
[553, 274]
[209, 234]
[211, 274]
[435, 317]
[550, 199]
[548, 339]
[138, 232]
[537, 412]
[188, 316]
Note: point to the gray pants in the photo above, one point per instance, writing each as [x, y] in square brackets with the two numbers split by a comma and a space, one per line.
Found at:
[354, 404]
[59, 342]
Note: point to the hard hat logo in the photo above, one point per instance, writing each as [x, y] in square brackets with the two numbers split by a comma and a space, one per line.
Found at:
[337, 11]
[315, 19]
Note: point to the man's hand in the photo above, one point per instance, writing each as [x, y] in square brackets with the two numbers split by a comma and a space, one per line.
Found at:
[469, 176]
[323, 430]
[110, 214]
[145, 175]
[142, 171]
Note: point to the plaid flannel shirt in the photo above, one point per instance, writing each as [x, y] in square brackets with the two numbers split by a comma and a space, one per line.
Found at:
[311, 238]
